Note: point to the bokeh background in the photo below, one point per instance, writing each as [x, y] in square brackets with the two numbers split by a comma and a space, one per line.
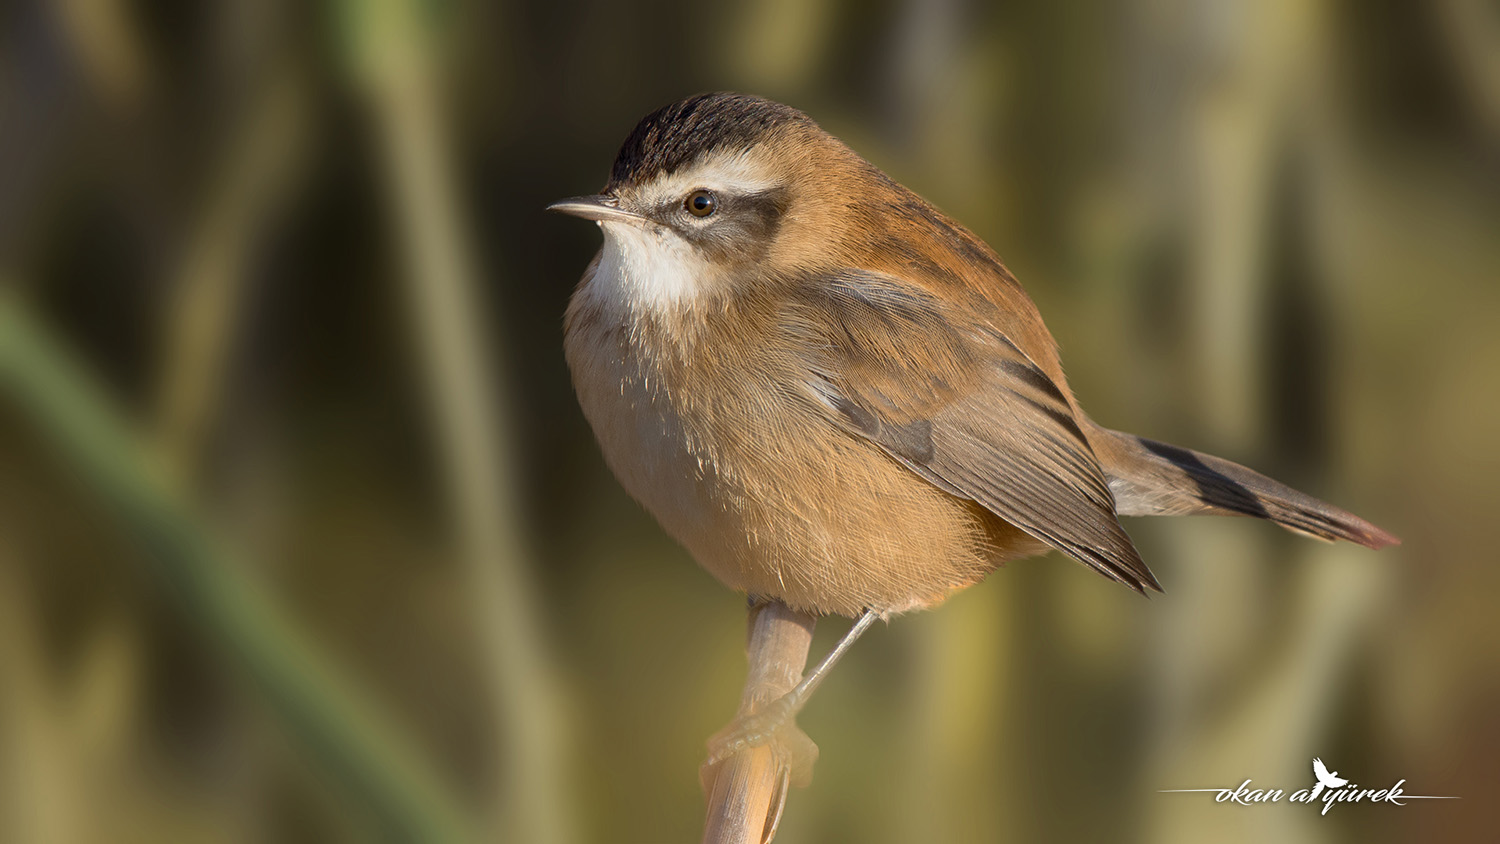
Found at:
[303, 538]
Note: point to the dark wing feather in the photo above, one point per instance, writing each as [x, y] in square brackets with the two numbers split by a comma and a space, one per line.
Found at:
[962, 406]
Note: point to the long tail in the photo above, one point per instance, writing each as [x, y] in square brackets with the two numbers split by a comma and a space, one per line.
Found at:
[1149, 478]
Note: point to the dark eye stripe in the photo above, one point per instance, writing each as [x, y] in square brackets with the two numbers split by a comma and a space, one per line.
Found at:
[741, 227]
[767, 204]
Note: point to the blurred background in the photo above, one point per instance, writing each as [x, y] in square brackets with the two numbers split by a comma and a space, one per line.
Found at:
[303, 537]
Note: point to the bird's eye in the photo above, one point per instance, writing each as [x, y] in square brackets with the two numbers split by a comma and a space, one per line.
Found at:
[700, 203]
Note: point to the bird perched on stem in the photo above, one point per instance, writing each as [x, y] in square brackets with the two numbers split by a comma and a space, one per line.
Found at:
[838, 397]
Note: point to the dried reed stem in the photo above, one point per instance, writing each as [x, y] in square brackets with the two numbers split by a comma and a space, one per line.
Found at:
[746, 792]
[392, 45]
[201, 328]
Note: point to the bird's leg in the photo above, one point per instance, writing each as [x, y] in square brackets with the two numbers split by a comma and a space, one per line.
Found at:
[776, 722]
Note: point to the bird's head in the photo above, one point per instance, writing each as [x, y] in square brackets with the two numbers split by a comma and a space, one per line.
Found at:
[724, 193]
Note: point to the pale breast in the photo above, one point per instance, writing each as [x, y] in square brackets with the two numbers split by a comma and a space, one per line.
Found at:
[641, 436]
[723, 444]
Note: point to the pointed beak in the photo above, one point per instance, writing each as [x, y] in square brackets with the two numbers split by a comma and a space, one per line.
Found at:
[601, 208]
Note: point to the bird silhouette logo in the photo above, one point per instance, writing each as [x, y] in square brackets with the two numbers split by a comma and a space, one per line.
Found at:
[1325, 778]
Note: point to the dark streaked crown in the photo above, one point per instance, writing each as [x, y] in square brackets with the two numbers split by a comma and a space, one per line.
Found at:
[676, 135]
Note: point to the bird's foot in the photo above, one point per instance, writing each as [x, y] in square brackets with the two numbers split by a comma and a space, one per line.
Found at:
[773, 725]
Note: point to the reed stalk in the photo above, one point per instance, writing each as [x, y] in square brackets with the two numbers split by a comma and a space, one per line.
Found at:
[747, 791]
[392, 50]
[352, 743]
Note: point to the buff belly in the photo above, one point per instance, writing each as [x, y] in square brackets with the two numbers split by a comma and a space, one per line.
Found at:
[789, 506]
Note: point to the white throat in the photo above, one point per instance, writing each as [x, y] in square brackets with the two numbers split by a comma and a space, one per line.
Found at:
[647, 268]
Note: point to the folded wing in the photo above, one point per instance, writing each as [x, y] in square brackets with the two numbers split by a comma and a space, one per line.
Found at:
[957, 402]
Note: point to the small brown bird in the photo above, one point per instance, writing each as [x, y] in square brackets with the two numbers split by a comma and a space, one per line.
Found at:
[838, 397]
